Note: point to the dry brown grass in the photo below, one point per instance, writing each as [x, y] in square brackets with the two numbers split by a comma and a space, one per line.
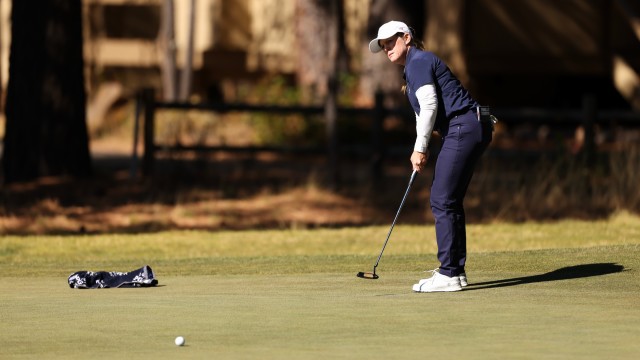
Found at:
[117, 210]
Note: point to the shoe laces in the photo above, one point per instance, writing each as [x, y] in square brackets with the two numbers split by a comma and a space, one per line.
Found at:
[433, 272]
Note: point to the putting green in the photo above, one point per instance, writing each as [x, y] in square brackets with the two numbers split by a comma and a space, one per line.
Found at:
[554, 303]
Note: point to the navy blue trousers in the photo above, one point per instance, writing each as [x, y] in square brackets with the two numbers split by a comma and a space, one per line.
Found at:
[462, 144]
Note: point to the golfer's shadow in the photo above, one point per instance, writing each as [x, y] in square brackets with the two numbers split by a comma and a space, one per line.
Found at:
[565, 273]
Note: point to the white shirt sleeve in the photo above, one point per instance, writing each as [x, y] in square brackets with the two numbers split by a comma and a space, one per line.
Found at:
[426, 119]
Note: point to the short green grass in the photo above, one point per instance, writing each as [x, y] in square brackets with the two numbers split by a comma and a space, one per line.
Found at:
[560, 290]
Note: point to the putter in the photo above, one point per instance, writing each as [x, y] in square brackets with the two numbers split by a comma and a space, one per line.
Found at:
[373, 275]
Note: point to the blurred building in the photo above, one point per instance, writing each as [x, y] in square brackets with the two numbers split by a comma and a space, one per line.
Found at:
[524, 53]
[233, 39]
[541, 52]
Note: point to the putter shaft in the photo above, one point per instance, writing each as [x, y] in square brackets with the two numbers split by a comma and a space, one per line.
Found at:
[404, 198]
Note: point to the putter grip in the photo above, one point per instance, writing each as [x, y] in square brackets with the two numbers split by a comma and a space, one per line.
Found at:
[413, 177]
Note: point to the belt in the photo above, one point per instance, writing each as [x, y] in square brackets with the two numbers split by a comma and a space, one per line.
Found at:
[462, 113]
[482, 113]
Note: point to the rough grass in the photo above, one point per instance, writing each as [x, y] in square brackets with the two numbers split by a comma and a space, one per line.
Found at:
[62, 254]
[557, 290]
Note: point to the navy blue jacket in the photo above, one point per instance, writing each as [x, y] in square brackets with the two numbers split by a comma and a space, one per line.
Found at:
[423, 68]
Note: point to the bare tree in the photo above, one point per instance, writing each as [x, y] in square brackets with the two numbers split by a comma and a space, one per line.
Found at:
[167, 44]
[46, 132]
[322, 55]
[316, 45]
[187, 70]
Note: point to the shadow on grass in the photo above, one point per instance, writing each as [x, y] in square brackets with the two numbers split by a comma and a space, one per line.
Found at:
[565, 273]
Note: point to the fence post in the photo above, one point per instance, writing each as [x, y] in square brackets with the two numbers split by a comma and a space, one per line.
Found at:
[133, 170]
[148, 101]
[377, 144]
[331, 115]
[590, 109]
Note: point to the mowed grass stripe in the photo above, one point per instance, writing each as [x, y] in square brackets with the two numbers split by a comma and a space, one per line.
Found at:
[310, 264]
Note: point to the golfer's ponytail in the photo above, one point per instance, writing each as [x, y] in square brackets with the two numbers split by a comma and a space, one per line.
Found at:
[416, 43]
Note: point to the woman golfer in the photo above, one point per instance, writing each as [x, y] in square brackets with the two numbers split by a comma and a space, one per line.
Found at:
[440, 103]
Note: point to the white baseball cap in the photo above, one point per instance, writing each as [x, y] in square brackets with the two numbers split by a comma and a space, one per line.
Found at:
[386, 31]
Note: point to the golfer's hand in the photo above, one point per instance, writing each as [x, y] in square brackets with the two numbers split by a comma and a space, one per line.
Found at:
[419, 160]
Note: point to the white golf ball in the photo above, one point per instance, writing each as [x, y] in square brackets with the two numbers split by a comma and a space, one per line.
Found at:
[179, 341]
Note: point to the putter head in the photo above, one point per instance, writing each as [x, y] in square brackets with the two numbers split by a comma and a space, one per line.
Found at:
[367, 275]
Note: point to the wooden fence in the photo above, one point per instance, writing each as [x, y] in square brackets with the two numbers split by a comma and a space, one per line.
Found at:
[146, 105]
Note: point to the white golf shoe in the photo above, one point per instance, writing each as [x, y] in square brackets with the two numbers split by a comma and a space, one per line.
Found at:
[437, 283]
[463, 279]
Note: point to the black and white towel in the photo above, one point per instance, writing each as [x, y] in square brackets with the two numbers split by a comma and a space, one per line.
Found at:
[142, 277]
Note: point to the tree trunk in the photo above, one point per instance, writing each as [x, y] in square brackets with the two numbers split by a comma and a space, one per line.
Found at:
[46, 132]
[316, 45]
[168, 45]
[321, 57]
[187, 69]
